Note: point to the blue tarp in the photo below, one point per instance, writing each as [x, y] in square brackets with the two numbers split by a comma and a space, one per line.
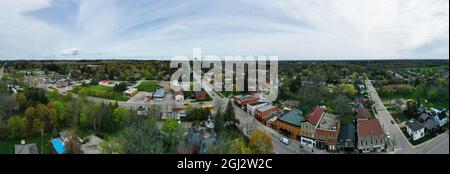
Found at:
[58, 145]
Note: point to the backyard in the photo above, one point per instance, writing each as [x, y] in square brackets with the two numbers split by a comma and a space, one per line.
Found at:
[7, 145]
[149, 86]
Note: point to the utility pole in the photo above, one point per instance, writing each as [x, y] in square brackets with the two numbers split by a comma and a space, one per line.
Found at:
[42, 140]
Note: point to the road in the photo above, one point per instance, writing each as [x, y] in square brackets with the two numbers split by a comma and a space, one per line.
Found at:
[2, 70]
[437, 145]
[248, 124]
[384, 117]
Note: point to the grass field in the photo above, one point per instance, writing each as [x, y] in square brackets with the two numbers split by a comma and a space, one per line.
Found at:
[103, 92]
[7, 145]
[150, 86]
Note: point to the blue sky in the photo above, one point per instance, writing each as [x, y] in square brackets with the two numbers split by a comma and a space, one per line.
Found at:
[290, 29]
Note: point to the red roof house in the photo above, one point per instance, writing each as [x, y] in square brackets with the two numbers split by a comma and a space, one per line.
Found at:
[315, 116]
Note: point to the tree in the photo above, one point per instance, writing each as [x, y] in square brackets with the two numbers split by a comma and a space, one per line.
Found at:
[61, 112]
[218, 122]
[172, 135]
[119, 116]
[142, 138]
[21, 100]
[342, 105]
[120, 87]
[239, 147]
[111, 146]
[16, 127]
[260, 143]
[229, 116]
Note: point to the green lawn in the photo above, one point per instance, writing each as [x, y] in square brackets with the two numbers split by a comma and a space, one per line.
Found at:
[103, 92]
[7, 145]
[150, 86]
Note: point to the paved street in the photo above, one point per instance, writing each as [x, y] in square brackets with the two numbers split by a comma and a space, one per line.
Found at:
[248, 123]
[438, 145]
[384, 117]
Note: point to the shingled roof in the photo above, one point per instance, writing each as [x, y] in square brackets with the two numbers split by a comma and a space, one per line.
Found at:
[315, 116]
[367, 128]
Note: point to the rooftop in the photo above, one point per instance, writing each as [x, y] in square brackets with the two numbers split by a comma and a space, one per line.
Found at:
[363, 114]
[369, 127]
[315, 116]
[265, 108]
[329, 122]
[294, 117]
[256, 103]
[347, 132]
[414, 125]
[26, 149]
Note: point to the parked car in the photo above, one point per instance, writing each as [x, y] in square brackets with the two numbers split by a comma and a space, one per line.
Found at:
[284, 140]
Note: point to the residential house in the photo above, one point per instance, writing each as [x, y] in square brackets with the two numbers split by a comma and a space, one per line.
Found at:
[347, 138]
[130, 92]
[441, 118]
[179, 96]
[371, 137]
[428, 122]
[200, 95]
[415, 129]
[309, 125]
[254, 105]
[92, 145]
[26, 148]
[327, 132]
[263, 113]
[178, 113]
[290, 124]
[107, 83]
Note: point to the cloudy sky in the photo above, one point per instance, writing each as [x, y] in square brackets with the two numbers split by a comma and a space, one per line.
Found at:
[291, 29]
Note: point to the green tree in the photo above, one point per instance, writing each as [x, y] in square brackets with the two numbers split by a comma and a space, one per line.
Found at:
[119, 116]
[61, 112]
[172, 135]
[239, 147]
[229, 115]
[342, 105]
[260, 143]
[16, 127]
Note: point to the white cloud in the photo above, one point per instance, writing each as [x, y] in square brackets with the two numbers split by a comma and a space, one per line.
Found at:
[23, 36]
[289, 28]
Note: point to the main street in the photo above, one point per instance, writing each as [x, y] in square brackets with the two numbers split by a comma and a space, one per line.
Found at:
[437, 145]
[384, 117]
[248, 123]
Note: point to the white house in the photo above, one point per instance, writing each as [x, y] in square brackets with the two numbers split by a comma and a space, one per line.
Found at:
[441, 118]
[179, 96]
[415, 129]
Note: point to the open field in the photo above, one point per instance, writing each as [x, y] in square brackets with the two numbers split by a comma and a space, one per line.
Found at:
[102, 92]
[150, 86]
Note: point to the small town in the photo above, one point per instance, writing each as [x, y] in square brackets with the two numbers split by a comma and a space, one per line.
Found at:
[116, 107]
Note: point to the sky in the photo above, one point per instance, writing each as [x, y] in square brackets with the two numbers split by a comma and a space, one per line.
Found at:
[290, 29]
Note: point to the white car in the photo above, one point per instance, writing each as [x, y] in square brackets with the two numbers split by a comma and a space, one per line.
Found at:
[284, 140]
